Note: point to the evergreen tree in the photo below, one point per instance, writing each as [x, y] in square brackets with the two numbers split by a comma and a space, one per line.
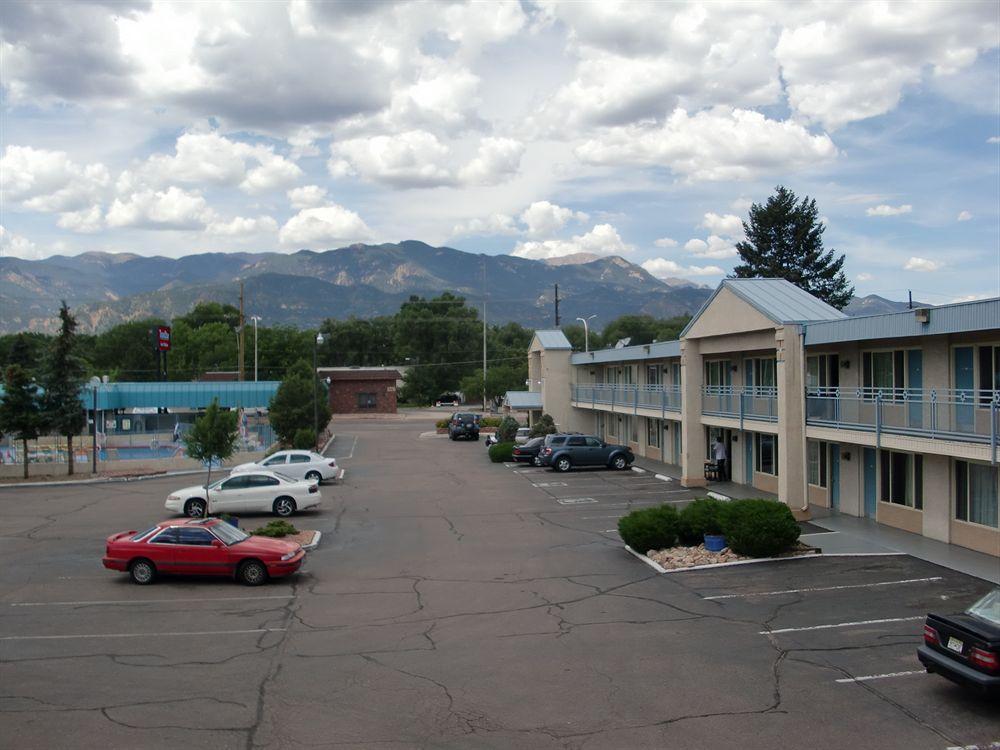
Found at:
[62, 378]
[291, 407]
[212, 437]
[20, 416]
[784, 239]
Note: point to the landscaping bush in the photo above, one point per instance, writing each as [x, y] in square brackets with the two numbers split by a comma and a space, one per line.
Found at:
[649, 528]
[442, 424]
[759, 528]
[544, 426]
[276, 528]
[501, 452]
[507, 430]
[704, 516]
[490, 422]
[305, 439]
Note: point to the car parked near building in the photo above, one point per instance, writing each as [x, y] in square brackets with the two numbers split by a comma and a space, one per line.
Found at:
[563, 452]
[207, 546]
[965, 647]
[447, 399]
[528, 453]
[295, 464]
[523, 435]
[257, 492]
[463, 424]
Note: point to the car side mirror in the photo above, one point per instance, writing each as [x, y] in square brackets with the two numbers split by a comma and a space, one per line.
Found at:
[216, 543]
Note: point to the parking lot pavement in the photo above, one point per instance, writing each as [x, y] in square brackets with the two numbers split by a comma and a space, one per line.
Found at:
[454, 603]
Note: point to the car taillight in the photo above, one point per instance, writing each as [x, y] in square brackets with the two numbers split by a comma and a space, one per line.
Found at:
[931, 636]
[984, 659]
[547, 451]
[313, 488]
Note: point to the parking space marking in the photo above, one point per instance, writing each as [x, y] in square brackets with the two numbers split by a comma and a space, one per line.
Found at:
[869, 677]
[548, 484]
[139, 635]
[843, 625]
[575, 500]
[594, 518]
[825, 588]
[991, 746]
[116, 602]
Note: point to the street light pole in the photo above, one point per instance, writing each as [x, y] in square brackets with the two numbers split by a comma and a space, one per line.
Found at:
[586, 331]
[317, 345]
[255, 319]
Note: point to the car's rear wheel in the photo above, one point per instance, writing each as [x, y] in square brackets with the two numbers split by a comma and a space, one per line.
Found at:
[142, 571]
[283, 507]
[563, 464]
[194, 508]
[314, 476]
[619, 462]
[252, 573]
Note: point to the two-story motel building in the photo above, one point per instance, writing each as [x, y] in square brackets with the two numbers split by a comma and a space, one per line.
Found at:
[891, 417]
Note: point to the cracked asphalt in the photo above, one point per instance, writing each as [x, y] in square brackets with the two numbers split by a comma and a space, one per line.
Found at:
[454, 604]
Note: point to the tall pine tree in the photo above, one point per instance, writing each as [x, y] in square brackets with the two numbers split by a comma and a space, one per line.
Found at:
[784, 239]
[20, 415]
[62, 379]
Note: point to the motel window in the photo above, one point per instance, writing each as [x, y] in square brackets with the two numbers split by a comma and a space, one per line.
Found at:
[822, 371]
[675, 373]
[816, 453]
[901, 479]
[613, 426]
[632, 429]
[366, 400]
[717, 373]
[766, 453]
[652, 375]
[885, 371]
[976, 493]
[989, 373]
[763, 372]
[653, 433]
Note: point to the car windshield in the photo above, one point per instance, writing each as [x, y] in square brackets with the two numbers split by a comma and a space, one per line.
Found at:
[229, 534]
[215, 485]
[143, 534]
[987, 608]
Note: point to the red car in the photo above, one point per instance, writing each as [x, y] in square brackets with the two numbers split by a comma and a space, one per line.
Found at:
[206, 546]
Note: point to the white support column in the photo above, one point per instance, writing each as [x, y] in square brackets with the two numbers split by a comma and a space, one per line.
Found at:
[791, 417]
[692, 431]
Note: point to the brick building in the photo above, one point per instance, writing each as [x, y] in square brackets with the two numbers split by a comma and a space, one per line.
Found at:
[362, 391]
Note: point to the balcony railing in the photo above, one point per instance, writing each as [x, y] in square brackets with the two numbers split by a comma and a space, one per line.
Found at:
[740, 402]
[662, 397]
[950, 414]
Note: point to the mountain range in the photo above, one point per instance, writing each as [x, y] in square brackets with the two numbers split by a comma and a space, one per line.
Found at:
[301, 289]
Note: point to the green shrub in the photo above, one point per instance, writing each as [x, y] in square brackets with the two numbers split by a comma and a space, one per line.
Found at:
[649, 528]
[501, 452]
[490, 422]
[759, 528]
[276, 528]
[704, 516]
[442, 424]
[544, 426]
[507, 430]
[305, 439]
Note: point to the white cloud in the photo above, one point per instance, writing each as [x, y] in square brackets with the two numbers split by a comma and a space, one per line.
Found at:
[964, 216]
[274, 172]
[970, 298]
[410, 159]
[728, 225]
[741, 204]
[665, 242]
[18, 246]
[496, 160]
[887, 210]
[663, 268]
[172, 208]
[491, 225]
[86, 221]
[716, 144]
[922, 265]
[49, 181]
[544, 218]
[308, 196]
[714, 247]
[323, 226]
[603, 239]
[243, 227]
[864, 276]
[993, 139]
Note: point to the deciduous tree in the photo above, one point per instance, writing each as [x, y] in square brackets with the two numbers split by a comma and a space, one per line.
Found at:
[212, 437]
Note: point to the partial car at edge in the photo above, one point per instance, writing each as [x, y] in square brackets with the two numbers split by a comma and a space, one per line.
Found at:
[965, 647]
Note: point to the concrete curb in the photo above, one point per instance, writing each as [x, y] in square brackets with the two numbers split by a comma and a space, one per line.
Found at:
[314, 543]
[660, 569]
[99, 480]
[326, 445]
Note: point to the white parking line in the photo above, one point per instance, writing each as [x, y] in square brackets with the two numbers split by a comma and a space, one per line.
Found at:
[991, 746]
[637, 470]
[575, 500]
[819, 533]
[594, 518]
[151, 601]
[869, 677]
[824, 588]
[842, 625]
[139, 635]
[548, 484]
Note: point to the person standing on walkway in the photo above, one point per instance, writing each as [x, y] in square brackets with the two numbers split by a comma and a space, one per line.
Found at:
[719, 451]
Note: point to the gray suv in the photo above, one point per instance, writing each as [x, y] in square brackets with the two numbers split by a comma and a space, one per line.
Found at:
[463, 424]
[563, 452]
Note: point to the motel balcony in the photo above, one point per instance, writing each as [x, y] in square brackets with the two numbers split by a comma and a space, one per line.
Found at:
[740, 402]
[663, 398]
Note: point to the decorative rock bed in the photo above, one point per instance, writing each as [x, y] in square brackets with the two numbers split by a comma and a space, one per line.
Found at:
[676, 558]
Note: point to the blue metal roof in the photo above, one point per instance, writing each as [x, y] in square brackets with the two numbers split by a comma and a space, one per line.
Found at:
[553, 339]
[778, 299]
[659, 350]
[186, 395]
[523, 399]
[961, 317]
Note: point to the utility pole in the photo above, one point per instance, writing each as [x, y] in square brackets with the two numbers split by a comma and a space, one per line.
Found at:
[557, 305]
[484, 333]
[256, 319]
[242, 346]
[910, 293]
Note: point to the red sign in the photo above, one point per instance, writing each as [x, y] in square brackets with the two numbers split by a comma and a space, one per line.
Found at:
[163, 338]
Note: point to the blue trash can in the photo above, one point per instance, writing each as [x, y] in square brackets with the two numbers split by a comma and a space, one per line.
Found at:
[715, 542]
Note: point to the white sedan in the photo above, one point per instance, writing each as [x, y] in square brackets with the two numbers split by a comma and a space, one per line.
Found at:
[295, 464]
[262, 491]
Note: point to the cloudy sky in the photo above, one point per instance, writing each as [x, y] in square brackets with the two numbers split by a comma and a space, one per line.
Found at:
[535, 128]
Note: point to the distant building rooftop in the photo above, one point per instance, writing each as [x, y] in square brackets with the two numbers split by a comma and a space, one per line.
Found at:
[553, 339]
[523, 400]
